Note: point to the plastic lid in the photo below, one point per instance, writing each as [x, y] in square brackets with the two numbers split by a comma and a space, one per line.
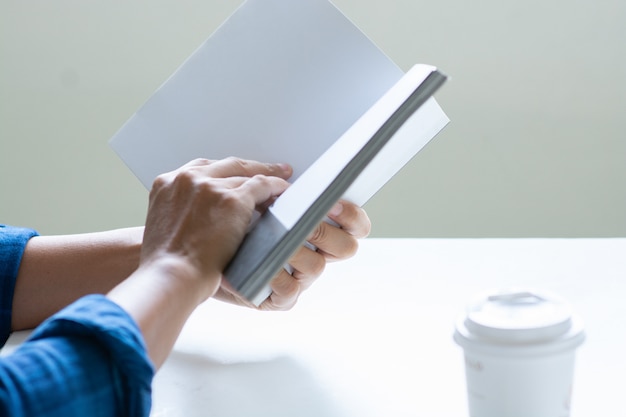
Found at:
[518, 317]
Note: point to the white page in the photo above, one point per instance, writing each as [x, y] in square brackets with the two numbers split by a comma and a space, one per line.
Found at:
[296, 200]
[406, 143]
[295, 213]
[279, 81]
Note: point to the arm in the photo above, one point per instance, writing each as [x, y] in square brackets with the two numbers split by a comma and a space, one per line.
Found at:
[183, 253]
[99, 352]
[57, 270]
[89, 356]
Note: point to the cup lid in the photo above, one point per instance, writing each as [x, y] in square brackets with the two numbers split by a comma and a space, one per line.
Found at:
[517, 317]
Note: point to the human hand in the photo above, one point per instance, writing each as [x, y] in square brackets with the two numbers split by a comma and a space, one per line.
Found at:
[333, 243]
[199, 213]
[197, 218]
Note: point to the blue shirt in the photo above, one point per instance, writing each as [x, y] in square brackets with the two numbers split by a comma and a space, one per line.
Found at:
[13, 240]
[87, 360]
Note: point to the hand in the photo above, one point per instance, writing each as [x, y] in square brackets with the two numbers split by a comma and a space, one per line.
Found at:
[199, 213]
[333, 243]
[197, 217]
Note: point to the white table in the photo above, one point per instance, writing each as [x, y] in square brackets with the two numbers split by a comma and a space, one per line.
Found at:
[373, 337]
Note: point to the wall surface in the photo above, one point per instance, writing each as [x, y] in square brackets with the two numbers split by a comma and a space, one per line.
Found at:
[537, 99]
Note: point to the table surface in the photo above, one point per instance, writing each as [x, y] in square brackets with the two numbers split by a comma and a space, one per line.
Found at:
[373, 337]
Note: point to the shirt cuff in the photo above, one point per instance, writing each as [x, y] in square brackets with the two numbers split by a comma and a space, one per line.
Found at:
[13, 241]
[102, 320]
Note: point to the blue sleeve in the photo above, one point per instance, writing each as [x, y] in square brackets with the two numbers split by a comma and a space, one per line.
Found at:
[87, 360]
[13, 240]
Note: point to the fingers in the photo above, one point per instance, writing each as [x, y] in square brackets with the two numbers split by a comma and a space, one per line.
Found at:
[231, 167]
[285, 292]
[340, 242]
[351, 218]
[256, 181]
[332, 242]
[230, 189]
[194, 212]
[307, 266]
[262, 188]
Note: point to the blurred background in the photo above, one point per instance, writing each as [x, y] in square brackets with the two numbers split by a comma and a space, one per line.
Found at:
[536, 146]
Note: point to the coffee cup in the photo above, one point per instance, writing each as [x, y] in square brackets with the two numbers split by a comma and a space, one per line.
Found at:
[519, 347]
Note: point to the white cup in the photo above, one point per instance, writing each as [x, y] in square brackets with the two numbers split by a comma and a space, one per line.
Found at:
[519, 348]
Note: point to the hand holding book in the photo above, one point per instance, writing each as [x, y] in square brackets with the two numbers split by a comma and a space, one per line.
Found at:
[291, 81]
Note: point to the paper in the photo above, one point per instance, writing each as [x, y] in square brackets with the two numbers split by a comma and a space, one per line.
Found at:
[279, 81]
[297, 199]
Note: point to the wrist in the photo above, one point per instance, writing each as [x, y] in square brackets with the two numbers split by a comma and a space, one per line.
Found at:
[179, 277]
[160, 296]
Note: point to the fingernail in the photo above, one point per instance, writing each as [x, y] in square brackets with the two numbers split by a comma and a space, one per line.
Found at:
[336, 210]
[284, 167]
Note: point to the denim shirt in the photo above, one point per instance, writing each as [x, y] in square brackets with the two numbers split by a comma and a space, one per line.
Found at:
[87, 360]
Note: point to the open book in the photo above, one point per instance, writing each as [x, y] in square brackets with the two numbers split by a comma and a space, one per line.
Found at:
[287, 81]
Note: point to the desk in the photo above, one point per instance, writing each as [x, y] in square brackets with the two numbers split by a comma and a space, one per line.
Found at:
[373, 337]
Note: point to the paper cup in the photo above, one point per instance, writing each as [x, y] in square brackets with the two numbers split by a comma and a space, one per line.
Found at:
[519, 348]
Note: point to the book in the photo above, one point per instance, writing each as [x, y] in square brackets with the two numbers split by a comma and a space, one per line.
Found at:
[294, 215]
[295, 82]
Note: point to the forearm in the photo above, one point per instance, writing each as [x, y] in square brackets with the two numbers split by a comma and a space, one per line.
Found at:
[160, 297]
[57, 270]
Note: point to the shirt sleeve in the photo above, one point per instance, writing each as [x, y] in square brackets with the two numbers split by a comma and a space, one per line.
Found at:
[87, 360]
[13, 240]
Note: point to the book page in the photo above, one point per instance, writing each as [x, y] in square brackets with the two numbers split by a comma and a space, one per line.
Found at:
[279, 81]
[421, 127]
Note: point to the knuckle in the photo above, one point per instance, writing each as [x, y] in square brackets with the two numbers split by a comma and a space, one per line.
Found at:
[319, 235]
[160, 184]
[241, 163]
[292, 289]
[201, 161]
[185, 179]
[208, 189]
[350, 248]
[160, 181]
[226, 200]
[357, 220]
[350, 212]
[229, 201]
[261, 179]
[285, 290]
[317, 266]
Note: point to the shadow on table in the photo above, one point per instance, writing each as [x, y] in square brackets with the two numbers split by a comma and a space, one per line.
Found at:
[194, 385]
